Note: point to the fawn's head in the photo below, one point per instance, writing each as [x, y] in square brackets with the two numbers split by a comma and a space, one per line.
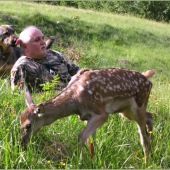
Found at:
[31, 121]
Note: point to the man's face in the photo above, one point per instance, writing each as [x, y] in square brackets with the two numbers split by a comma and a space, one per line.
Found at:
[36, 48]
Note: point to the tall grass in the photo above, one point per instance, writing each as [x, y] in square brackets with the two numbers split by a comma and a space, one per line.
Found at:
[92, 40]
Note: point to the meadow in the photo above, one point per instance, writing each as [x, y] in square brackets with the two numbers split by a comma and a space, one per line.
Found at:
[91, 40]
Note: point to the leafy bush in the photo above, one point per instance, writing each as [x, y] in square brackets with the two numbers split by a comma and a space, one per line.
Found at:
[155, 10]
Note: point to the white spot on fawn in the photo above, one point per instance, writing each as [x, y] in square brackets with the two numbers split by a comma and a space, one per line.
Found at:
[89, 91]
[81, 88]
[87, 82]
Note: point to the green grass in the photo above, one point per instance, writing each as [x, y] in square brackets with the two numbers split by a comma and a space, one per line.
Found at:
[92, 40]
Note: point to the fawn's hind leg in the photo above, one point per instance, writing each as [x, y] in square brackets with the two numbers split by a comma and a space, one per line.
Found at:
[143, 131]
[149, 125]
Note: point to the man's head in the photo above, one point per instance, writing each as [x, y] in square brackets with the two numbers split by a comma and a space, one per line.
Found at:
[33, 42]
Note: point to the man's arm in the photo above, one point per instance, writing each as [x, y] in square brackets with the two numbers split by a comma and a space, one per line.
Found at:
[17, 78]
[72, 68]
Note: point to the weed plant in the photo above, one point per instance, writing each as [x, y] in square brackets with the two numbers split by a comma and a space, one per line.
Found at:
[91, 40]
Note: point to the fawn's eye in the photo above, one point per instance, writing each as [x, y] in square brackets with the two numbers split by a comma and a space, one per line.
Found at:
[28, 126]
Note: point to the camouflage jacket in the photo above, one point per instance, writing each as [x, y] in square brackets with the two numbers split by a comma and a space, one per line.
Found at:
[35, 72]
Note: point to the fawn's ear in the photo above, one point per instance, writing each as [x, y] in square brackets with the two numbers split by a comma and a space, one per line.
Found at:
[39, 110]
[28, 98]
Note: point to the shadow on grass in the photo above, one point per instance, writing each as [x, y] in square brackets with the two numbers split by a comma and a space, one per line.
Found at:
[66, 29]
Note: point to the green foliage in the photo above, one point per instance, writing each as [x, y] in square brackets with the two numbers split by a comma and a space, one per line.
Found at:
[155, 10]
[48, 86]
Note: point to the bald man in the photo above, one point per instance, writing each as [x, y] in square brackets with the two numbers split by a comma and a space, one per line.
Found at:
[39, 65]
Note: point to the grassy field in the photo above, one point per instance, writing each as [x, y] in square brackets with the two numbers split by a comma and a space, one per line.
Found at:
[91, 40]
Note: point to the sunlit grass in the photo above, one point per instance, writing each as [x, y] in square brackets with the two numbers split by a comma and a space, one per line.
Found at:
[55, 146]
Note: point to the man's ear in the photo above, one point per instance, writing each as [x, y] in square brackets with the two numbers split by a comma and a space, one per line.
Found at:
[24, 46]
[39, 110]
